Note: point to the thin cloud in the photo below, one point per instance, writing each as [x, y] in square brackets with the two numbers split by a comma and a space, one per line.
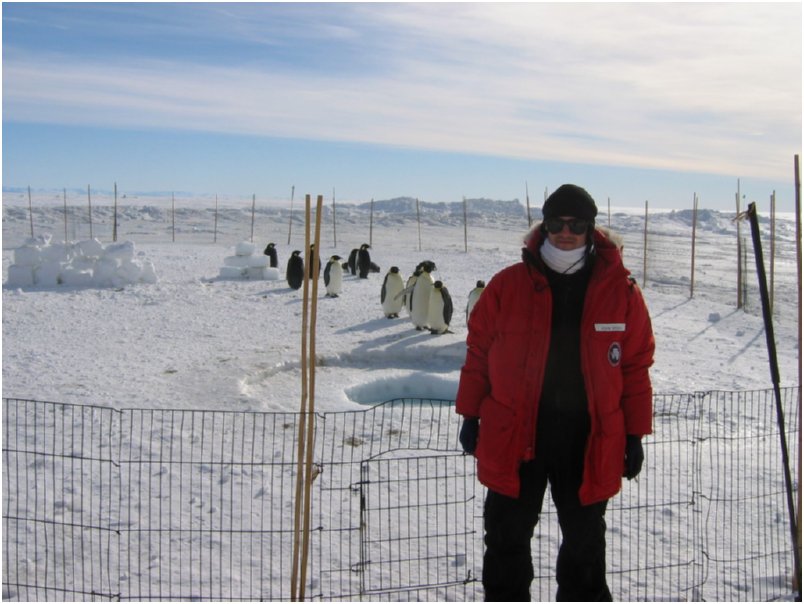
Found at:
[623, 84]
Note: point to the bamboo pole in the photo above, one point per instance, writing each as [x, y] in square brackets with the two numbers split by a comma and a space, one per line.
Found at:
[308, 468]
[334, 228]
[797, 179]
[371, 224]
[30, 210]
[419, 224]
[465, 228]
[739, 251]
[301, 449]
[66, 239]
[527, 203]
[215, 231]
[114, 224]
[290, 221]
[253, 207]
[772, 246]
[89, 201]
[645, 249]
[694, 230]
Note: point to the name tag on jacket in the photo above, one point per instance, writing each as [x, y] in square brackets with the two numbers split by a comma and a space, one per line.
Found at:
[609, 326]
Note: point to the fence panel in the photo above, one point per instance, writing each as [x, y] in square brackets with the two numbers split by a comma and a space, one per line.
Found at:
[100, 504]
[60, 539]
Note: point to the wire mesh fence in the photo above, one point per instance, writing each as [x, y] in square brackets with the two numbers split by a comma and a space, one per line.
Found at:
[168, 505]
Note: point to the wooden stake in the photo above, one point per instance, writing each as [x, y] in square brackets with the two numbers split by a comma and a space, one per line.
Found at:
[290, 222]
[465, 228]
[30, 210]
[308, 468]
[334, 229]
[253, 206]
[173, 215]
[114, 225]
[65, 216]
[772, 246]
[527, 203]
[304, 465]
[739, 252]
[301, 450]
[215, 231]
[694, 228]
[419, 224]
[371, 224]
[645, 249]
[89, 201]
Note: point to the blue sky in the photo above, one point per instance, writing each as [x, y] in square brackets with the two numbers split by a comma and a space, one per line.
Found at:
[635, 102]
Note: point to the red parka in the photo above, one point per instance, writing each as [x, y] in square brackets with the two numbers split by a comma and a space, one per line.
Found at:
[501, 380]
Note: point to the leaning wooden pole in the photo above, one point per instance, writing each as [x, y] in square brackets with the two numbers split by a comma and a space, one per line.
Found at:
[739, 251]
[334, 222]
[308, 464]
[797, 179]
[774, 370]
[253, 208]
[114, 223]
[215, 230]
[302, 435]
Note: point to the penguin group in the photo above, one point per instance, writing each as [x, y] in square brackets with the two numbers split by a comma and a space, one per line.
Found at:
[428, 302]
[358, 264]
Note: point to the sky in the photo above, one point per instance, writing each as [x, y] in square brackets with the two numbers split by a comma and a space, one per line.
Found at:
[636, 102]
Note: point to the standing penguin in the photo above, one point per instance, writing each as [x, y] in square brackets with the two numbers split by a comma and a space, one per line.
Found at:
[312, 263]
[270, 251]
[295, 271]
[390, 297]
[440, 309]
[474, 296]
[363, 261]
[353, 261]
[420, 299]
[333, 277]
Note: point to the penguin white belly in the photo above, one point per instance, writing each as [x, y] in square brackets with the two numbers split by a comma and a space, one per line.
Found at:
[474, 296]
[393, 302]
[421, 301]
[435, 316]
[335, 279]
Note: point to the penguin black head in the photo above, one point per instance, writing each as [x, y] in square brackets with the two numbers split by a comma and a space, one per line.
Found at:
[365, 246]
[438, 285]
[334, 258]
[394, 269]
[481, 284]
[296, 252]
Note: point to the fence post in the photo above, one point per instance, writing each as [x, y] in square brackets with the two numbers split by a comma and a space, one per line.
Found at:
[645, 249]
[89, 201]
[774, 369]
[694, 228]
[66, 239]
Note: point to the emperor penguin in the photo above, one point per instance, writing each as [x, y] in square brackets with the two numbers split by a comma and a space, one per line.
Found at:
[353, 261]
[474, 296]
[270, 251]
[312, 263]
[420, 302]
[333, 276]
[407, 293]
[363, 261]
[440, 309]
[295, 271]
[390, 294]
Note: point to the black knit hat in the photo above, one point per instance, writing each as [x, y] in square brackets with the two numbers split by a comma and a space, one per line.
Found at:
[570, 200]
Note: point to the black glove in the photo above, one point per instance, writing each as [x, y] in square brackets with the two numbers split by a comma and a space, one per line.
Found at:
[469, 432]
[634, 456]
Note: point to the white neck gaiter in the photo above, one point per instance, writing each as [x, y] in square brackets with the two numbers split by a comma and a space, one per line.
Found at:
[564, 262]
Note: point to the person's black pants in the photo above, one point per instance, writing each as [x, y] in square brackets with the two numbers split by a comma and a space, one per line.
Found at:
[509, 525]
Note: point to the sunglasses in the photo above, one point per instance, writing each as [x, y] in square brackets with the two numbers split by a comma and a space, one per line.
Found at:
[577, 226]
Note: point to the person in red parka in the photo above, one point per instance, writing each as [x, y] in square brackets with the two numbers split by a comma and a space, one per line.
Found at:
[556, 389]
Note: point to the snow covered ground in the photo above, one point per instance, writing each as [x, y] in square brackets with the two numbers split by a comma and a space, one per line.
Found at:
[195, 340]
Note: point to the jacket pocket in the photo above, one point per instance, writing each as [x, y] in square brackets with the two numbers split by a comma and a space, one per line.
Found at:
[607, 451]
[496, 444]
